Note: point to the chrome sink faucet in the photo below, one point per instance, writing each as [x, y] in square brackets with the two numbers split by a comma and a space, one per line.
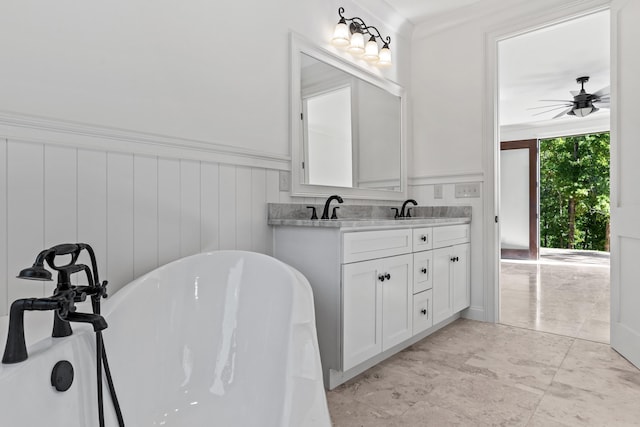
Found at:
[404, 205]
[325, 212]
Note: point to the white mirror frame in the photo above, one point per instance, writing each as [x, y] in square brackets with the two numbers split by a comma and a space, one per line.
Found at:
[298, 188]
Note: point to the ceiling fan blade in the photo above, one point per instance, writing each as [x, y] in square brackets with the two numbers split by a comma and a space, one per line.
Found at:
[552, 105]
[563, 113]
[603, 99]
[603, 105]
[553, 109]
[602, 92]
[557, 100]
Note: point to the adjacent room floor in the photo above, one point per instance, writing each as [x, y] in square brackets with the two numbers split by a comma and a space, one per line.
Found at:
[475, 373]
[566, 292]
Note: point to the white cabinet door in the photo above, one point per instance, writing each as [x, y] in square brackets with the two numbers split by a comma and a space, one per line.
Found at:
[361, 308]
[442, 302]
[451, 281]
[377, 306]
[460, 277]
[397, 300]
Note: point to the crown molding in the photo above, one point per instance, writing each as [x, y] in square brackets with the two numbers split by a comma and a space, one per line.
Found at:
[22, 127]
[387, 15]
[496, 12]
[456, 17]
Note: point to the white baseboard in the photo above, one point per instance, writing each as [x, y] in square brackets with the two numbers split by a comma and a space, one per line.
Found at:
[474, 313]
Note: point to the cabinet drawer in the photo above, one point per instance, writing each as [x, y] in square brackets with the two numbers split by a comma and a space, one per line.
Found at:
[422, 271]
[360, 246]
[422, 239]
[422, 309]
[450, 235]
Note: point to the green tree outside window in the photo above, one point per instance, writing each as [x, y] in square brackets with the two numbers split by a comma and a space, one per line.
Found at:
[574, 192]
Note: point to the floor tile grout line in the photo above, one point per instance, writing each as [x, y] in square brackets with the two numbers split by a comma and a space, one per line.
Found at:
[533, 413]
[555, 333]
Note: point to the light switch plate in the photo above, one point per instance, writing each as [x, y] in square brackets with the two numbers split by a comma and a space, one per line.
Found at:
[467, 189]
[285, 181]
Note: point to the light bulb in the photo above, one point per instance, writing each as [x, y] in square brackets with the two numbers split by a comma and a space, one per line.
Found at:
[385, 56]
[357, 43]
[584, 112]
[341, 34]
[371, 50]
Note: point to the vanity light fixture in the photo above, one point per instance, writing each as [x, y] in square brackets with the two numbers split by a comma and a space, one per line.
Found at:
[352, 37]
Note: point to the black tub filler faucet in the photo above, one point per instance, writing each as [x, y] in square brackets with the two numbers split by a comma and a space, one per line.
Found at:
[62, 302]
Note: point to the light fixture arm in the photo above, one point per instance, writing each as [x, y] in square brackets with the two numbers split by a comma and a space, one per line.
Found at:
[358, 23]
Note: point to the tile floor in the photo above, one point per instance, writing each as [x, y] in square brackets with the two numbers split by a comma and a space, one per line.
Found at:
[549, 366]
[476, 374]
[566, 293]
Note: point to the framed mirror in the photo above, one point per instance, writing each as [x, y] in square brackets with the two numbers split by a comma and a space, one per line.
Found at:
[347, 128]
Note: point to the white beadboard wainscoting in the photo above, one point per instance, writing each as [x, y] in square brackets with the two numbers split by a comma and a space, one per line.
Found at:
[138, 211]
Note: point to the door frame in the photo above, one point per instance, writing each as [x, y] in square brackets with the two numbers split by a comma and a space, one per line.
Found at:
[533, 251]
[491, 135]
[625, 236]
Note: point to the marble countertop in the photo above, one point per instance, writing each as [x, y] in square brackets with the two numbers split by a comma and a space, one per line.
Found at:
[362, 217]
[371, 222]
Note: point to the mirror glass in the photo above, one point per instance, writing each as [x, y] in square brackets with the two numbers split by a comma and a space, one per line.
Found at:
[349, 137]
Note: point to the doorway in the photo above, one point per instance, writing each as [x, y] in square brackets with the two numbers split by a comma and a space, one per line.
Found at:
[519, 196]
[567, 291]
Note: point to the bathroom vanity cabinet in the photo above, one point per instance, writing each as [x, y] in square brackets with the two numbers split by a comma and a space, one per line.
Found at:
[377, 289]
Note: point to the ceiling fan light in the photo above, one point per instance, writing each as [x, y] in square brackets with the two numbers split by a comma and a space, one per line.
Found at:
[584, 112]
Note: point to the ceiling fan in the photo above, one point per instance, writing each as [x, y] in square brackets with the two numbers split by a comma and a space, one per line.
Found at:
[583, 103]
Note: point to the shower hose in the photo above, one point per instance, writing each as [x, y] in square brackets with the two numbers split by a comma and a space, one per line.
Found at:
[101, 359]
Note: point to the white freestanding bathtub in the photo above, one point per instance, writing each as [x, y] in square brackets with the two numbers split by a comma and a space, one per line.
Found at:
[225, 338]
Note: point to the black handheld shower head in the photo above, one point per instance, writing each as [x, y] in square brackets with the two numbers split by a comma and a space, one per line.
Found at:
[35, 272]
[38, 272]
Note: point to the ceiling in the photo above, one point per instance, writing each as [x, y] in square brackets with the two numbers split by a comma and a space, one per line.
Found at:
[420, 10]
[542, 64]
